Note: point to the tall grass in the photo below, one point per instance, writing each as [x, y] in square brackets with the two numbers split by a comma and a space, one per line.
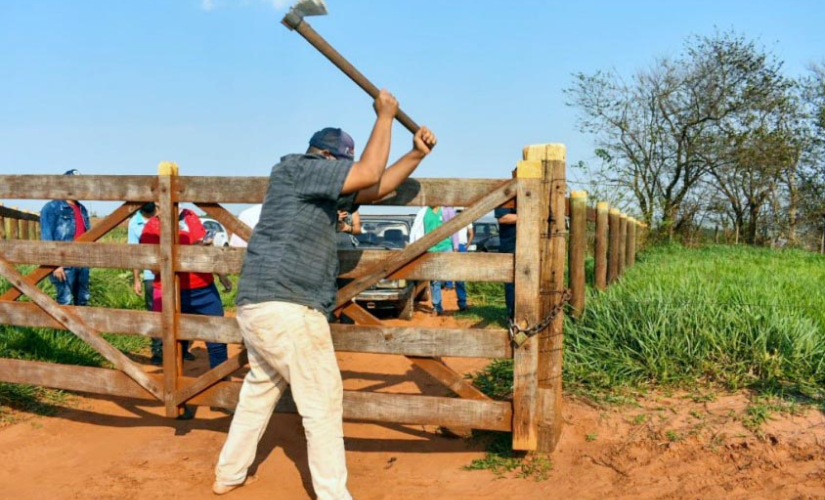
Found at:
[736, 317]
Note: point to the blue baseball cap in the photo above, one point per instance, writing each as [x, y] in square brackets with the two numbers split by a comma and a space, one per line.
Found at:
[336, 141]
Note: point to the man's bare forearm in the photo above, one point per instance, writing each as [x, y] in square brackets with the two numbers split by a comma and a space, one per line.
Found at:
[392, 178]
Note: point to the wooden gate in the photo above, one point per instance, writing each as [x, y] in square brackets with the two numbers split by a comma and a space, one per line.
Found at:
[537, 269]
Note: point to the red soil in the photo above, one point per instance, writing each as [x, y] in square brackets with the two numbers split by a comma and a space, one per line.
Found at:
[116, 449]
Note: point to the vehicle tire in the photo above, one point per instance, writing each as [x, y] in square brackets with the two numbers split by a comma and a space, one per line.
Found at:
[407, 308]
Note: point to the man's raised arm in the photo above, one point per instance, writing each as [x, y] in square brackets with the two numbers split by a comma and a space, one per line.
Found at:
[369, 169]
[423, 143]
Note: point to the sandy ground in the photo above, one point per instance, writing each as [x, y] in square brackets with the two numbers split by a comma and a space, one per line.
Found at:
[670, 447]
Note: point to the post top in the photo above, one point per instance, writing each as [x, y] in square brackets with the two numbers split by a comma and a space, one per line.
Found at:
[623, 215]
[529, 169]
[578, 194]
[614, 211]
[602, 206]
[167, 168]
[553, 151]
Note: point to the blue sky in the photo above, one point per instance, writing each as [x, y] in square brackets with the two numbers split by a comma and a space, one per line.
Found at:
[222, 88]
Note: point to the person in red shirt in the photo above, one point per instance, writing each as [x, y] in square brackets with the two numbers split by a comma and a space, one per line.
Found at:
[198, 294]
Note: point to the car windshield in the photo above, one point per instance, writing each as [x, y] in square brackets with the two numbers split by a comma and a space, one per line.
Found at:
[485, 229]
[383, 233]
[212, 226]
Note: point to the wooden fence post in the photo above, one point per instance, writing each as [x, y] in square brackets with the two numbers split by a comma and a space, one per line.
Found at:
[14, 227]
[615, 241]
[622, 244]
[578, 249]
[600, 275]
[631, 241]
[172, 352]
[540, 246]
[32, 228]
[2, 226]
[23, 224]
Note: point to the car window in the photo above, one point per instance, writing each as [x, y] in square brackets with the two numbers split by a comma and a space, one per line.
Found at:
[485, 229]
[394, 234]
[212, 226]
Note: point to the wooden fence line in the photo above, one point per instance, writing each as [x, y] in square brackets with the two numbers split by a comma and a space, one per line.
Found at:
[617, 239]
[535, 411]
[16, 224]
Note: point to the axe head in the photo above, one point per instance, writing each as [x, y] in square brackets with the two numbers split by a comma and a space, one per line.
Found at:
[303, 8]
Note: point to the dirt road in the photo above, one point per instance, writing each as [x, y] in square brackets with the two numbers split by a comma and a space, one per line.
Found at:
[668, 448]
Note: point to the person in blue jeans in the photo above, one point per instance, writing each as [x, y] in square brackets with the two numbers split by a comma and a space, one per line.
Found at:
[432, 221]
[465, 239]
[507, 219]
[67, 220]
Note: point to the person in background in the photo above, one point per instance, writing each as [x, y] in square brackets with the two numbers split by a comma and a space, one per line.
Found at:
[142, 285]
[507, 219]
[433, 219]
[198, 294]
[465, 238]
[349, 225]
[250, 217]
[287, 291]
[67, 220]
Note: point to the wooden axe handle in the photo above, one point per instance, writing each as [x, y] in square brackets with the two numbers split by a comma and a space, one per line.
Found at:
[317, 41]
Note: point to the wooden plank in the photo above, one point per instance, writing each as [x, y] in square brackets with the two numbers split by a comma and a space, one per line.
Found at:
[413, 192]
[362, 406]
[23, 229]
[531, 212]
[192, 258]
[232, 224]
[411, 341]
[622, 244]
[578, 250]
[614, 246]
[17, 214]
[631, 242]
[212, 377]
[2, 224]
[73, 323]
[435, 368]
[172, 353]
[32, 230]
[14, 229]
[601, 246]
[398, 259]
[100, 230]
[551, 340]
[79, 187]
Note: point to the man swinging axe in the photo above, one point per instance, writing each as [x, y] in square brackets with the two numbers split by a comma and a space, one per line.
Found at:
[287, 290]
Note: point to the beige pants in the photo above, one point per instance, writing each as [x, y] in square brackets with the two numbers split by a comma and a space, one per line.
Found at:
[289, 344]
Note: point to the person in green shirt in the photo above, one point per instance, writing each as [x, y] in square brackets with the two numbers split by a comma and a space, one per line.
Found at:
[432, 221]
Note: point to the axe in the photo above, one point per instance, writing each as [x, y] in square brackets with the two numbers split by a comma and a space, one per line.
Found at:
[294, 20]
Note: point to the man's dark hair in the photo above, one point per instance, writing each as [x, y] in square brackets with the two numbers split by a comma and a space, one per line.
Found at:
[149, 208]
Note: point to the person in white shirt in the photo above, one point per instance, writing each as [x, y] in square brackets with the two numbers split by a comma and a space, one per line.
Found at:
[250, 217]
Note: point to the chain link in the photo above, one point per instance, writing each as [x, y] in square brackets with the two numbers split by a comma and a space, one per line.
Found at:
[519, 335]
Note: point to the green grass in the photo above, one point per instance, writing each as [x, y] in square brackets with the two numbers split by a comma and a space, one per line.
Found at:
[701, 320]
[109, 288]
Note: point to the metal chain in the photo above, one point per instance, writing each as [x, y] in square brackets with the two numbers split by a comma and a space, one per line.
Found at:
[520, 335]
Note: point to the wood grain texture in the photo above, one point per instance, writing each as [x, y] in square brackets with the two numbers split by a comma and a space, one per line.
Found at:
[614, 246]
[600, 278]
[172, 354]
[79, 187]
[413, 192]
[622, 244]
[528, 289]
[631, 242]
[76, 325]
[411, 341]
[578, 251]
[362, 406]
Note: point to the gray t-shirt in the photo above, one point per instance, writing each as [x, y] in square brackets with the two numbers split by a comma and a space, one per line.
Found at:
[292, 255]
